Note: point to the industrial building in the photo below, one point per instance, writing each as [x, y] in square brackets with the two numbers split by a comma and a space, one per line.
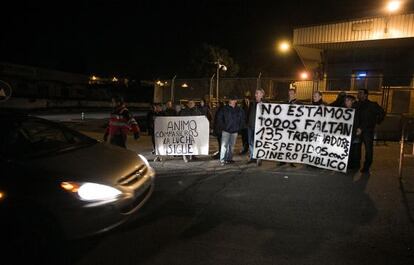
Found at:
[373, 53]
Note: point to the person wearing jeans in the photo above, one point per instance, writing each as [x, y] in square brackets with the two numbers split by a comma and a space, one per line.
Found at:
[228, 140]
[230, 120]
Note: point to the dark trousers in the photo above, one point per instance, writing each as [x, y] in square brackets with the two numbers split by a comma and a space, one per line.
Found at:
[353, 160]
[218, 136]
[151, 132]
[250, 133]
[119, 140]
[367, 138]
[245, 139]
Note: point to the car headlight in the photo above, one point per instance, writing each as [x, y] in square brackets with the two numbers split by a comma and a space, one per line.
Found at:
[91, 191]
[144, 160]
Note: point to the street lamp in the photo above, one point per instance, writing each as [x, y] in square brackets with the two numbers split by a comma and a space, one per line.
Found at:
[391, 8]
[283, 46]
[219, 67]
[184, 85]
[304, 75]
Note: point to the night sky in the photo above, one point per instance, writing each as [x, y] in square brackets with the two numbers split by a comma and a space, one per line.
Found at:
[153, 39]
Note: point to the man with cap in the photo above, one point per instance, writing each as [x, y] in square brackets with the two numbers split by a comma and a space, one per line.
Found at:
[230, 120]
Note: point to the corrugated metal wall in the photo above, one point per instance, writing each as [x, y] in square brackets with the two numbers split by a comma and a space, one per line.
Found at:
[398, 26]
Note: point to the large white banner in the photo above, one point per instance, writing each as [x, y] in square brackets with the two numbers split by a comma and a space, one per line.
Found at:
[315, 135]
[184, 135]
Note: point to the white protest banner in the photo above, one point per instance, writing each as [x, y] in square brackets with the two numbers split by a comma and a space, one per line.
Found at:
[315, 135]
[184, 135]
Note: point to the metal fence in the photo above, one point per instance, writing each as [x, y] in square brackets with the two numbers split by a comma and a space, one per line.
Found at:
[206, 88]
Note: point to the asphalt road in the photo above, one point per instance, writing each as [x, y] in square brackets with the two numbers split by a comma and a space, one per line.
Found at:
[202, 213]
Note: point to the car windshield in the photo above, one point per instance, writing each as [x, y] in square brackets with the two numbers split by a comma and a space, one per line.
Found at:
[35, 137]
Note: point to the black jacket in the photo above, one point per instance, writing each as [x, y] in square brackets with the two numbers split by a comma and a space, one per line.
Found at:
[170, 112]
[217, 129]
[151, 119]
[190, 112]
[251, 115]
[318, 103]
[230, 119]
[294, 101]
[369, 114]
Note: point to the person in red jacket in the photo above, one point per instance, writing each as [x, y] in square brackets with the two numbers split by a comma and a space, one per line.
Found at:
[120, 123]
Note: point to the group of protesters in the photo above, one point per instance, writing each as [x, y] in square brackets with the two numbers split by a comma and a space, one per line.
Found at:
[229, 120]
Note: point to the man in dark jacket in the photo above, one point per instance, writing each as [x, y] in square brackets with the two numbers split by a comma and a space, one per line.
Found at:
[353, 161]
[340, 100]
[204, 109]
[230, 120]
[169, 109]
[317, 99]
[292, 97]
[292, 100]
[244, 133]
[251, 120]
[216, 128]
[369, 114]
[151, 115]
[190, 110]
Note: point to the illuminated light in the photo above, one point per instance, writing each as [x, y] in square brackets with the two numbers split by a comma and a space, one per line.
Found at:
[393, 6]
[304, 75]
[160, 83]
[184, 85]
[284, 46]
[114, 79]
[94, 77]
[362, 74]
[1, 195]
[72, 187]
[97, 192]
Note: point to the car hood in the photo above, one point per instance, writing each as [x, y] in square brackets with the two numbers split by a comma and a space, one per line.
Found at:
[99, 163]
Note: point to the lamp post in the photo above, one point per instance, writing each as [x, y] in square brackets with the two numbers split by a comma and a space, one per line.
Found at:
[211, 88]
[172, 88]
[219, 67]
[259, 79]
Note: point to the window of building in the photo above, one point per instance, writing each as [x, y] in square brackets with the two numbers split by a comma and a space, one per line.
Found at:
[367, 79]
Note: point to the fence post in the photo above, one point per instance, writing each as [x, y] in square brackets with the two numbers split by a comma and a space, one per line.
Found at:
[172, 88]
[259, 80]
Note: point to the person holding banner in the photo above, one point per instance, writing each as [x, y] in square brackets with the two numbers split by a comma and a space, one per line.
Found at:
[293, 100]
[369, 114]
[292, 97]
[169, 109]
[251, 121]
[155, 112]
[353, 162]
[244, 133]
[317, 99]
[190, 110]
[230, 120]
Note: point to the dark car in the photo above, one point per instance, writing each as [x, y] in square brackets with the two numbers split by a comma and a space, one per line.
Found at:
[57, 181]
